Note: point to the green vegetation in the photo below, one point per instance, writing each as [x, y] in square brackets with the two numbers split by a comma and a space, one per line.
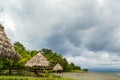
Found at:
[31, 78]
[25, 55]
[55, 58]
[85, 70]
[18, 66]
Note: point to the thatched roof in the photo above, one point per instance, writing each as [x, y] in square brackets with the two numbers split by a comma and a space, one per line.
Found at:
[38, 60]
[6, 47]
[57, 67]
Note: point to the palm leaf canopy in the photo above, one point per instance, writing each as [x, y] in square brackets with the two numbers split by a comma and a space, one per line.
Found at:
[6, 47]
[38, 60]
[57, 67]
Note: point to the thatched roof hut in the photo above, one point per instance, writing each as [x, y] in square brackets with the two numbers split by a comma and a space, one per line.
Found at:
[38, 61]
[6, 48]
[57, 67]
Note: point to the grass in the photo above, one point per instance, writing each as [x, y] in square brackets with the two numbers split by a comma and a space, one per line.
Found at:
[32, 78]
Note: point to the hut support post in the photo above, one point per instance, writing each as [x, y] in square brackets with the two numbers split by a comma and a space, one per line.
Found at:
[36, 73]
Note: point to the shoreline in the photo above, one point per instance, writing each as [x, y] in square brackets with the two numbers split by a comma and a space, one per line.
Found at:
[91, 76]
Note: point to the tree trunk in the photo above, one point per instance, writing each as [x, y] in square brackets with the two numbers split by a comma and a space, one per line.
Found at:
[11, 64]
[0, 71]
[10, 69]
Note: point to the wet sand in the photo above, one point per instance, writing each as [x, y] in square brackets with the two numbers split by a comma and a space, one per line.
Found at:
[90, 76]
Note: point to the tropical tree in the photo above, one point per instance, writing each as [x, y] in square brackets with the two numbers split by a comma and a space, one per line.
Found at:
[24, 55]
[51, 56]
[7, 52]
[55, 58]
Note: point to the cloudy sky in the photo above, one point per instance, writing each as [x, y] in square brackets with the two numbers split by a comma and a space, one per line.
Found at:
[86, 32]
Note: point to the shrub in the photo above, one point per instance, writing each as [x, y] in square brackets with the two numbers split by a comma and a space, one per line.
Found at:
[85, 70]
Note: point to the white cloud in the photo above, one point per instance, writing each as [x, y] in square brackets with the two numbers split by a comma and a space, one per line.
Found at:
[105, 56]
[101, 2]
[7, 22]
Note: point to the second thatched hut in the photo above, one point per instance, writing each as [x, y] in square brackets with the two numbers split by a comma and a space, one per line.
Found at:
[57, 68]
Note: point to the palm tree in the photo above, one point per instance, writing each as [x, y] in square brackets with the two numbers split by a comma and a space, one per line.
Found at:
[7, 51]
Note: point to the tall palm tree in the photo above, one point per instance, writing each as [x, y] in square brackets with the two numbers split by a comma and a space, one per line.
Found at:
[7, 51]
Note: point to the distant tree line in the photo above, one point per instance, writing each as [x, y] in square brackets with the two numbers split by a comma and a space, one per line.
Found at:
[55, 58]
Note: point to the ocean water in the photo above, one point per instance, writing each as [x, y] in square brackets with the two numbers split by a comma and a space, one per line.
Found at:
[107, 71]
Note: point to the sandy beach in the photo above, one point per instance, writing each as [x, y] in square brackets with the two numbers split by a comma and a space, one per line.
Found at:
[91, 76]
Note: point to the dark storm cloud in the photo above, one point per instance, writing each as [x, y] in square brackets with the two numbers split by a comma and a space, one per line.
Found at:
[82, 29]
